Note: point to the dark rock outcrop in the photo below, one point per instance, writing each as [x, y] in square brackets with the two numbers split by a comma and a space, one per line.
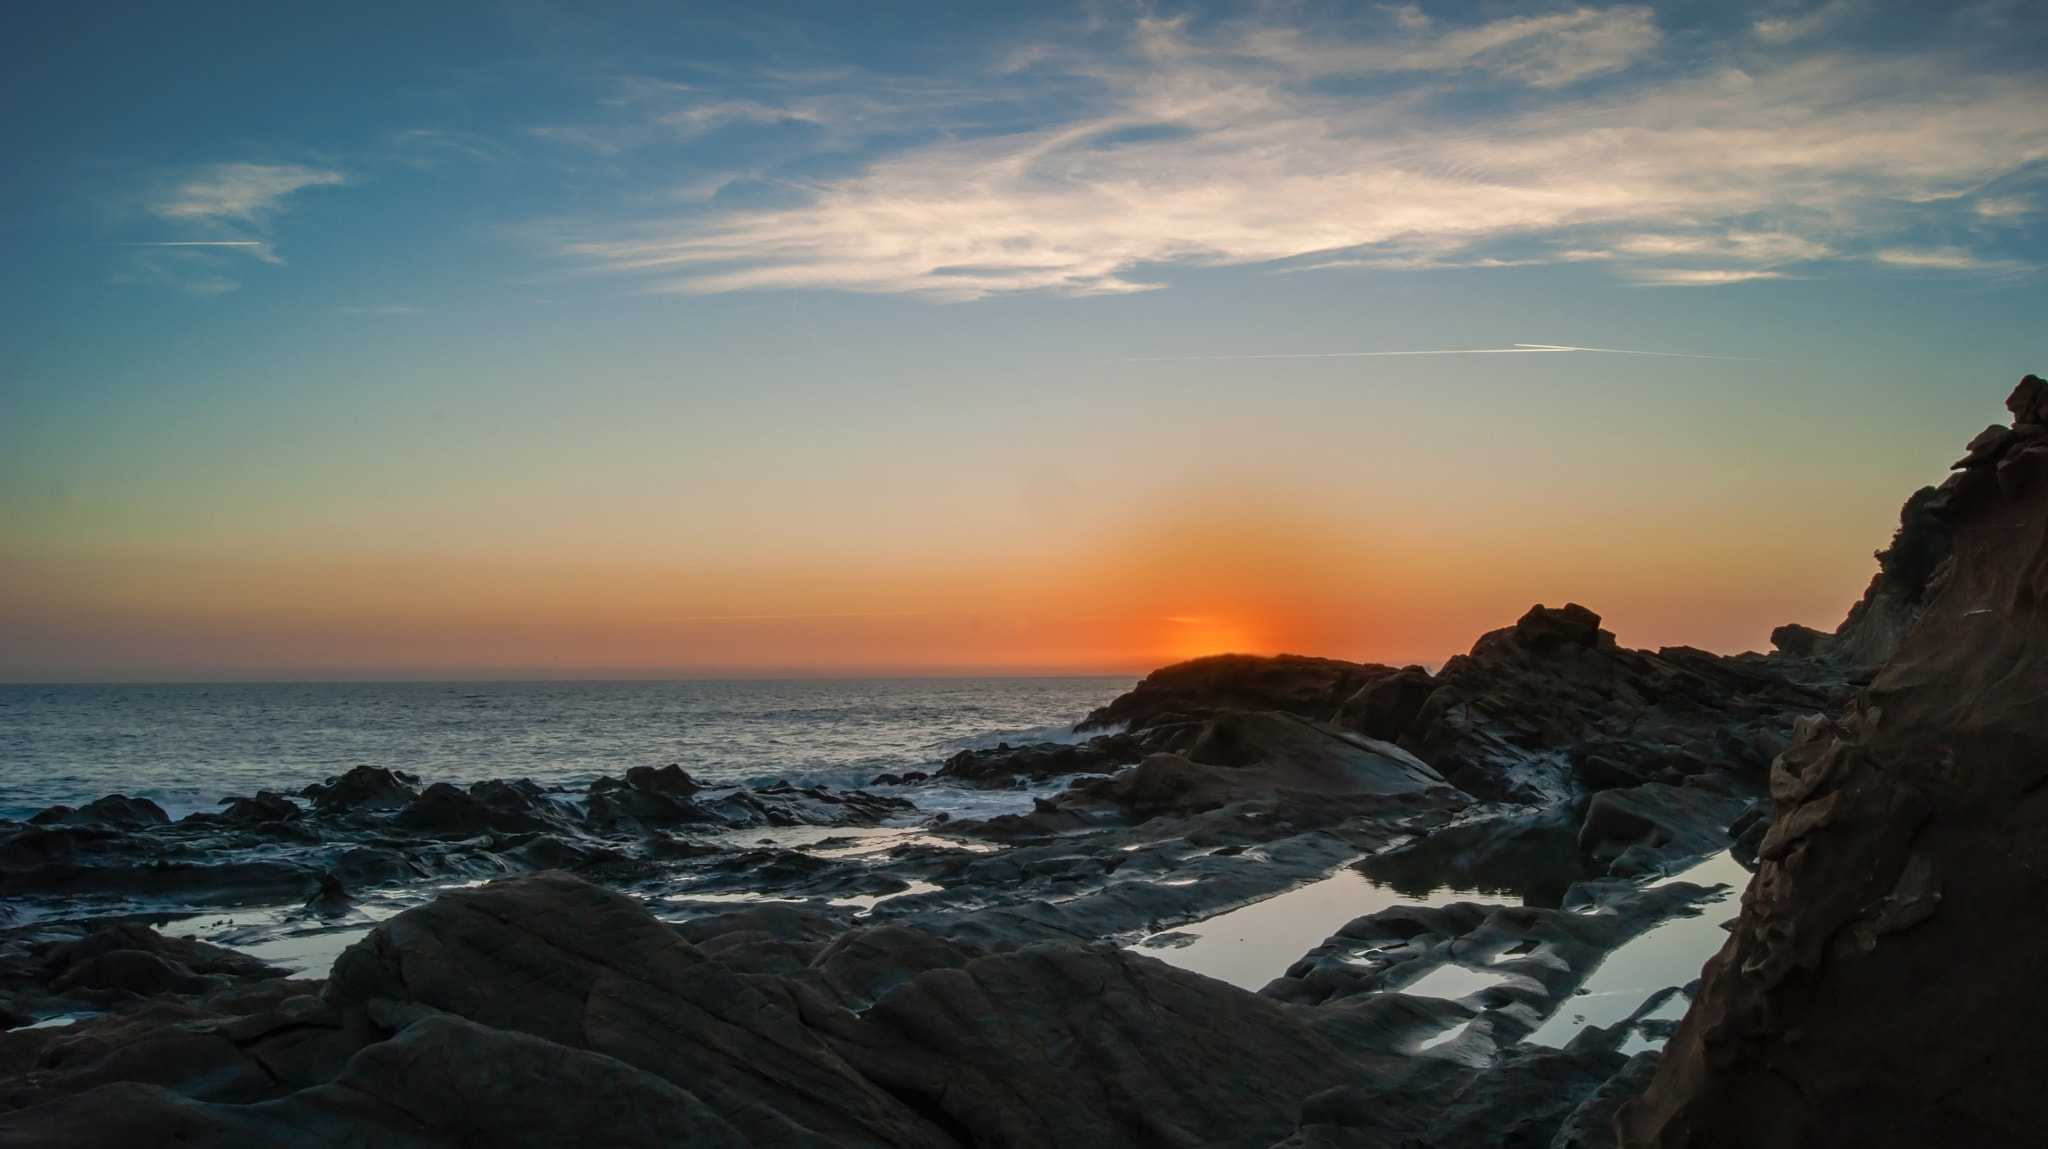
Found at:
[1191, 691]
[364, 788]
[439, 1081]
[1057, 1045]
[115, 810]
[1881, 986]
[1005, 766]
[1536, 713]
[60, 969]
[1278, 759]
[621, 984]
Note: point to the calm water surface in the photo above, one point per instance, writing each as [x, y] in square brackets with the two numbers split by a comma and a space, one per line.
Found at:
[188, 745]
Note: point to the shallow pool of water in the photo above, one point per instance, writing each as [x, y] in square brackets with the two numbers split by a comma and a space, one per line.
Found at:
[1668, 955]
[1454, 981]
[1254, 944]
[293, 938]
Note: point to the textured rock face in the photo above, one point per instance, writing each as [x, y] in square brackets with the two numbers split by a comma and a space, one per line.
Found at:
[619, 983]
[1536, 713]
[1883, 985]
[542, 1011]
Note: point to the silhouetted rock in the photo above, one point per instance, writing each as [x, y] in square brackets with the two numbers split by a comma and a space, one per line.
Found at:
[669, 779]
[1799, 641]
[1881, 986]
[1543, 628]
[1311, 688]
[1909, 573]
[364, 788]
[1386, 705]
[115, 810]
[266, 806]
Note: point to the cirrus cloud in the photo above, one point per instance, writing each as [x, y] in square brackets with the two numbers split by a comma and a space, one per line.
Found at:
[1293, 147]
[224, 212]
[243, 193]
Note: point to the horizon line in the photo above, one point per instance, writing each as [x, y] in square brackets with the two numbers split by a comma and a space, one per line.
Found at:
[473, 675]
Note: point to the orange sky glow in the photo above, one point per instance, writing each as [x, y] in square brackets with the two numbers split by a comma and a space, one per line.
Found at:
[1197, 582]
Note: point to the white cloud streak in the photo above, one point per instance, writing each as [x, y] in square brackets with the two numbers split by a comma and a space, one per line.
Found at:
[229, 204]
[1230, 149]
[237, 193]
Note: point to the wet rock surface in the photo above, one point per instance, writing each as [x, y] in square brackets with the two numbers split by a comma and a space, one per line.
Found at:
[650, 961]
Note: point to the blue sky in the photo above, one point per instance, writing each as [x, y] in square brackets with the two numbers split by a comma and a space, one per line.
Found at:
[972, 336]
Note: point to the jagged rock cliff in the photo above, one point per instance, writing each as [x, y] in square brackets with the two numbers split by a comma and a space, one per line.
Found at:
[1910, 572]
[1883, 984]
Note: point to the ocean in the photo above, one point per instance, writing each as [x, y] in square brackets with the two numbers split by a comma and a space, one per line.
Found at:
[186, 746]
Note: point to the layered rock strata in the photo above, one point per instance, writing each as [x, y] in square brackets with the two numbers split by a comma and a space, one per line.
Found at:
[1882, 986]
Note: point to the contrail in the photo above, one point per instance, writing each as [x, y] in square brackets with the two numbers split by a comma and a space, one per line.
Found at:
[195, 243]
[1664, 354]
[1517, 349]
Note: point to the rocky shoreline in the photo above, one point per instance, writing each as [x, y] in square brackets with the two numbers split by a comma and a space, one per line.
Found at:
[645, 961]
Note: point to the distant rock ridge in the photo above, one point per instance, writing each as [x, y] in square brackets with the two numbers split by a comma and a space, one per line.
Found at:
[1539, 712]
[1883, 985]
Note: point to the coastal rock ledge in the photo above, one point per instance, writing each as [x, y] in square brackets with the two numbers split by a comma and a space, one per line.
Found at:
[1883, 985]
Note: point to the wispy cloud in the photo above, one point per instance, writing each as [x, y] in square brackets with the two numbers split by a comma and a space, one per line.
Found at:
[225, 212]
[237, 193]
[1263, 143]
[1952, 259]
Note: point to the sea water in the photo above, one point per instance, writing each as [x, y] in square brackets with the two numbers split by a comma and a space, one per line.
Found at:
[186, 746]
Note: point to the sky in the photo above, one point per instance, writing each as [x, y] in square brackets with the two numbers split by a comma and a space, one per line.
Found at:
[536, 339]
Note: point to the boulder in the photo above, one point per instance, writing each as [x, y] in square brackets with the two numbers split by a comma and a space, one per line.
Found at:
[1059, 1045]
[1543, 628]
[363, 788]
[115, 810]
[1387, 705]
[444, 810]
[266, 806]
[1315, 772]
[1656, 828]
[670, 779]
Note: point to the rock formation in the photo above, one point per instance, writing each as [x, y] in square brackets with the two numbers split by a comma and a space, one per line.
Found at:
[1882, 986]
